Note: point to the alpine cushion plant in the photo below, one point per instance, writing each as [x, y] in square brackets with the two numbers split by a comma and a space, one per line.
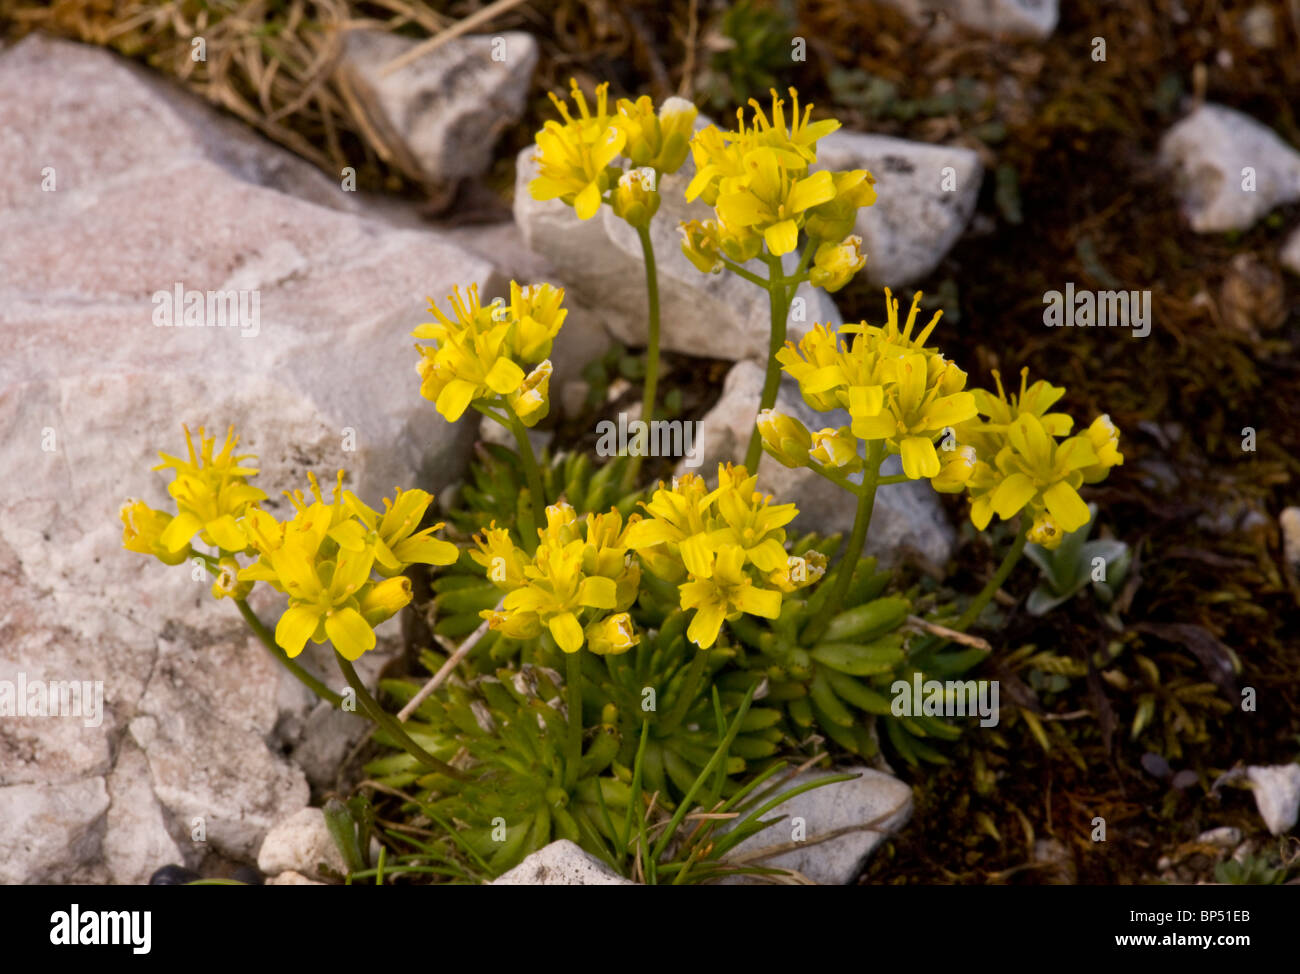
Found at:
[616, 635]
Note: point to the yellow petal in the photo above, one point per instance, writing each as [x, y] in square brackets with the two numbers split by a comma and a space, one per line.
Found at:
[349, 632]
[504, 376]
[703, 631]
[782, 237]
[919, 458]
[1065, 504]
[568, 634]
[178, 533]
[587, 203]
[296, 627]
[1012, 494]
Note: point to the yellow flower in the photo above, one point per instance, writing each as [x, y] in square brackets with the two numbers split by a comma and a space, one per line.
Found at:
[657, 141]
[725, 591]
[398, 542]
[836, 218]
[538, 316]
[923, 402]
[566, 577]
[503, 562]
[635, 198]
[1037, 472]
[1104, 437]
[835, 264]
[211, 494]
[575, 156]
[748, 520]
[612, 635]
[771, 200]
[142, 531]
[476, 349]
[784, 437]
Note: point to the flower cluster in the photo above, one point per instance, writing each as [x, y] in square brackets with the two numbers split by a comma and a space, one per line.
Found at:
[760, 184]
[898, 393]
[1026, 461]
[905, 398]
[211, 493]
[578, 585]
[478, 350]
[725, 549]
[323, 558]
[576, 156]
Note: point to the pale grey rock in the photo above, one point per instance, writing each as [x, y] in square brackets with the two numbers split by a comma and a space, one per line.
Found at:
[1013, 18]
[562, 863]
[908, 521]
[874, 799]
[1225, 837]
[925, 197]
[136, 840]
[441, 114]
[301, 844]
[49, 831]
[1289, 522]
[711, 315]
[1277, 795]
[152, 189]
[1209, 152]
[1290, 254]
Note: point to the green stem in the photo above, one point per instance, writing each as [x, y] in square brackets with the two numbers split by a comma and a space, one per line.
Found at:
[999, 577]
[268, 640]
[776, 298]
[739, 271]
[385, 720]
[837, 479]
[861, 521]
[799, 272]
[633, 470]
[532, 472]
[573, 698]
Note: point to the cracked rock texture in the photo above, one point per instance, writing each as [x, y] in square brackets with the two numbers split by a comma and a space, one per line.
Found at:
[117, 187]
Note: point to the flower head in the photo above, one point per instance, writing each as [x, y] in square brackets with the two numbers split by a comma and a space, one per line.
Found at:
[659, 141]
[575, 155]
[211, 494]
[834, 264]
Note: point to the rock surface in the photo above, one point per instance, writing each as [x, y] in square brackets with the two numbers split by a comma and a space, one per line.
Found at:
[908, 520]
[713, 315]
[925, 197]
[562, 863]
[1014, 18]
[1289, 257]
[1277, 795]
[300, 844]
[1210, 152]
[120, 188]
[875, 799]
[440, 115]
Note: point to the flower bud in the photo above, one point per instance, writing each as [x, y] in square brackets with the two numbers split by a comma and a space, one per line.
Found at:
[142, 529]
[532, 401]
[612, 635]
[385, 600]
[227, 584]
[700, 244]
[835, 448]
[1104, 437]
[636, 197]
[956, 467]
[784, 437]
[835, 264]
[1045, 532]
